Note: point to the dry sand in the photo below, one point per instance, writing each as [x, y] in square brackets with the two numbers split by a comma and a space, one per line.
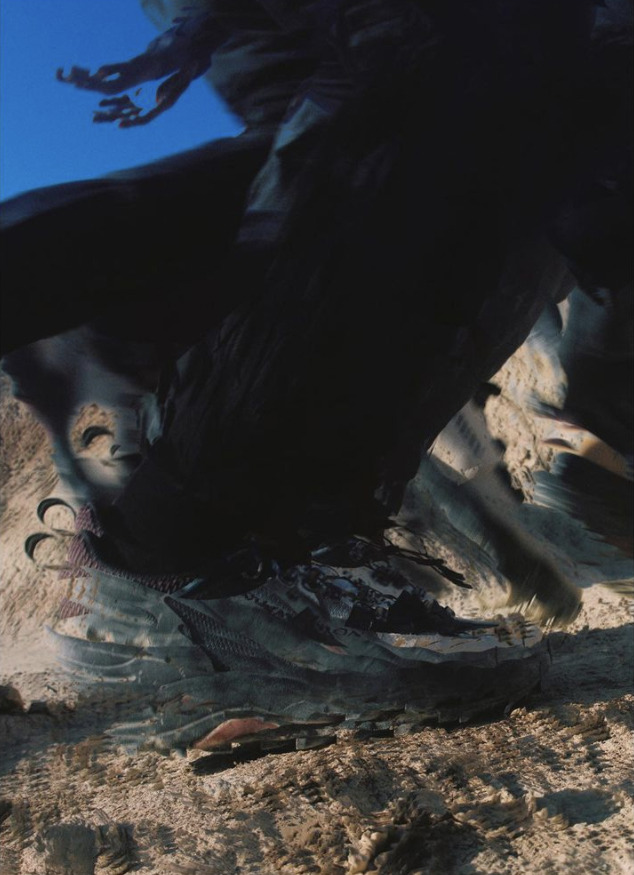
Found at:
[546, 789]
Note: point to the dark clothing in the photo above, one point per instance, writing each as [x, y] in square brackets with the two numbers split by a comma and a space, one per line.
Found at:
[384, 257]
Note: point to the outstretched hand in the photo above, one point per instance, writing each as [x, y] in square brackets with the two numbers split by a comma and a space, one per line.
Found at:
[129, 115]
[184, 51]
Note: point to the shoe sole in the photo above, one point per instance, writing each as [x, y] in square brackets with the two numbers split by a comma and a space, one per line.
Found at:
[180, 694]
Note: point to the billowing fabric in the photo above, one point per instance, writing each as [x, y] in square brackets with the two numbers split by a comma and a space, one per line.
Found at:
[410, 165]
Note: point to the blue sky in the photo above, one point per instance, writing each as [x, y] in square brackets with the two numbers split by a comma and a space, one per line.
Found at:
[46, 130]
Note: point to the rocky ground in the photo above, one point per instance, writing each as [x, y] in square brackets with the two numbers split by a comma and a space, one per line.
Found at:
[548, 788]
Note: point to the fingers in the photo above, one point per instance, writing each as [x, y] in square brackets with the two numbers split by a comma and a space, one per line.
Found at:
[184, 51]
[109, 79]
[119, 109]
[114, 78]
[101, 81]
[129, 115]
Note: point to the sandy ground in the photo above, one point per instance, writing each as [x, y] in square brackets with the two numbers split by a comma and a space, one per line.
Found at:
[546, 789]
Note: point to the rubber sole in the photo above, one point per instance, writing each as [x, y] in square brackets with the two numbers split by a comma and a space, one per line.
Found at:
[217, 675]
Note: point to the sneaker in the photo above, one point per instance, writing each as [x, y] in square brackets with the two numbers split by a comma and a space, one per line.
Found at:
[291, 657]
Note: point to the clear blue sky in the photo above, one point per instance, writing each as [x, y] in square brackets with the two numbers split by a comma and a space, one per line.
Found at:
[46, 129]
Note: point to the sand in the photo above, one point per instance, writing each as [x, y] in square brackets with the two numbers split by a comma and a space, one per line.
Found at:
[548, 788]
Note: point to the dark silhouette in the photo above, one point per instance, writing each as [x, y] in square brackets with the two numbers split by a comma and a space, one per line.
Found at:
[329, 288]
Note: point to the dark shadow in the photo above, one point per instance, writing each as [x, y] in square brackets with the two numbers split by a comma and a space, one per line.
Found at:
[579, 806]
[215, 763]
[591, 666]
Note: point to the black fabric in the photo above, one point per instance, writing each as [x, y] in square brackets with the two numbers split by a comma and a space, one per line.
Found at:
[376, 253]
[141, 250]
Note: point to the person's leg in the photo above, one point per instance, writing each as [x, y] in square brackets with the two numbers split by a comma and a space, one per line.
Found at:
[398, 284]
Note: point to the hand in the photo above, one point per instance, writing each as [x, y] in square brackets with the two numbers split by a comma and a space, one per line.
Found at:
[129, 115]
[184, 51]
